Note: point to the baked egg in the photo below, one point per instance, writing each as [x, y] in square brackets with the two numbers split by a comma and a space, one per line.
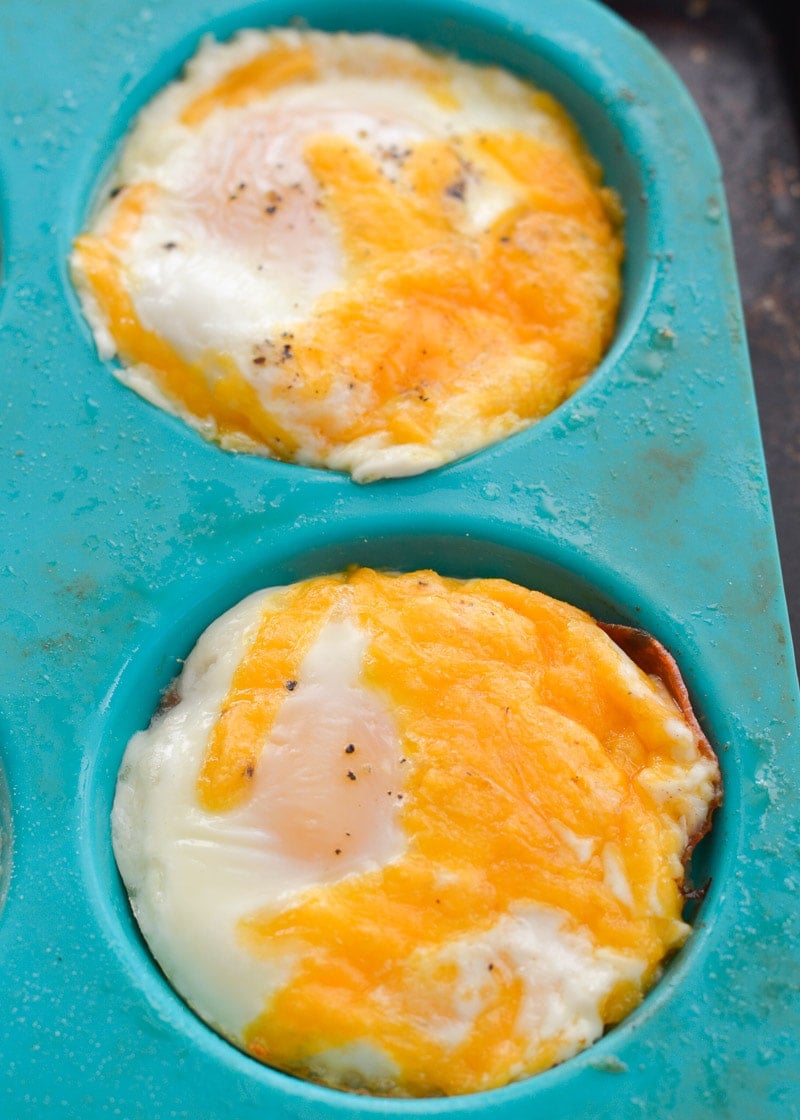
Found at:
[344, 251]
[413, 835]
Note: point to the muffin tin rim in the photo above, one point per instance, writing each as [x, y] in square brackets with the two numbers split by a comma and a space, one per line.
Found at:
[589, 1052]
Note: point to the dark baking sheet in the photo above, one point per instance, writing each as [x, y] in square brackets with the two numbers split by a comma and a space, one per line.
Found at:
[737, 59]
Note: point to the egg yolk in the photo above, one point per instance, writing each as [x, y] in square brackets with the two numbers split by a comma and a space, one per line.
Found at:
[525, 774]
[440, 333]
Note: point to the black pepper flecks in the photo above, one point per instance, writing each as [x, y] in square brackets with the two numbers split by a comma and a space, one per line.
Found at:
[349, 748]
[291, 685]
[351, 775]
[393, 152]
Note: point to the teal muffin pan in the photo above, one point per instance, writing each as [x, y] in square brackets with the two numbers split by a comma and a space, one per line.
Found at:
[643, 499]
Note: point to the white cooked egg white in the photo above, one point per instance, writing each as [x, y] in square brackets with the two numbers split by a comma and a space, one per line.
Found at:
[412, 835]
[346, 252]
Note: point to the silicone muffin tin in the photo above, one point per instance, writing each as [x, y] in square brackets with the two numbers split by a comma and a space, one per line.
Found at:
[643, 499]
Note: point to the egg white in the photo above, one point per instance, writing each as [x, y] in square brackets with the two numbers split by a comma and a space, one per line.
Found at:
[191, 870]
[235, 247]
[319, 811]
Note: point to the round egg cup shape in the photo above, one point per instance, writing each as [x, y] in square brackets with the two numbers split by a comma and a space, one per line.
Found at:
[462, 547]
[178, 531]
[479, 35]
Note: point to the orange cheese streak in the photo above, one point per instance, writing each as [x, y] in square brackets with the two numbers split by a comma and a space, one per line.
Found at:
[285, 63]
[259, 77]
[212, 388]
[521, 725]
[258, 687]
[511, 321]
[458, 336]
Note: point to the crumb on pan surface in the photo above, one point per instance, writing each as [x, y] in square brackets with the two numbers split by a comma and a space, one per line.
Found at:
[345, 252]
[428, 836]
